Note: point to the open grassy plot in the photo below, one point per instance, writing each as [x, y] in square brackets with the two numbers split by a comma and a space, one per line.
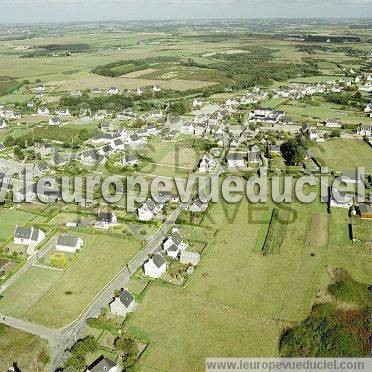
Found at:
[362, 229]
[85, 277]
[184, 329]
[9, 218]
[343, 155]
[30, 352]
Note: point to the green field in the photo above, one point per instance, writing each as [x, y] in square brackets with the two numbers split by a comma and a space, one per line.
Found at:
[60, 296]
[344, 155]
[237, 296]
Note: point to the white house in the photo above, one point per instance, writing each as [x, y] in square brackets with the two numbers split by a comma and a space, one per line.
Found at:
[149, 210]
[105, 220]
[156, 88]
[67, 243]
[63, 112]
[43, 111]
[198, 206]
[129, 160]
[333, 123]
[174, 240]
[28, 236]
[113, 90]
[197, 103]
[123, 304]
[236, 160]
[55, 120]
[156, 266]
[368, 108]
[3, 124]
[39, 88]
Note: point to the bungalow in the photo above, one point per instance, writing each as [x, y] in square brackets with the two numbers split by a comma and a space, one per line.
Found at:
[28, 236]
[189, 258]
[198, 206]
[67, 243]
[100, 114]
[163, 197]
[63, 112]
[126, 115]
[105, 220]
[102, 137]
[91, 157]
[118, 144]
[39, 95]
[30, 104]
[106, 126]
[113, 90]
[103, 364]
[364, 211]
[58, 160]
[55, 120]
[151, 129]
[232, 102]
[140, 91]
[149, 210]
[43, 149]
[206, 163]
[266, 115]
[333, 123]
[76, 93]
[197, 103]
[130, 160]
[135, 140]
[156, 88]
[156, 266]
[368, 108]
[39, 88]
[3, 124]
[236, 159]
[106, 150]
[43, 111]
[96, 91]
[123, 304]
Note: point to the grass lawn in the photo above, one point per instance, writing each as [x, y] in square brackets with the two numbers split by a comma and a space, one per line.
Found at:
[344, 155]
[55, 298]
[184, 329]
[30, 352]
[9, 218]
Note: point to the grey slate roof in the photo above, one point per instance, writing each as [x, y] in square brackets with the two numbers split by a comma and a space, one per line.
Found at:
[176, 238]
[101, 364]
[126, 298]
[23, 232]
[67, 240]
[105, 216]
[158, 260]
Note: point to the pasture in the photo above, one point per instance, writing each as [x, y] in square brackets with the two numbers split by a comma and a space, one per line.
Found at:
[343, 155]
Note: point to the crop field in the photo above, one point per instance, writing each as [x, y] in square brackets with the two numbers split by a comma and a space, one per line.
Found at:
[343, 155]
[59, 297]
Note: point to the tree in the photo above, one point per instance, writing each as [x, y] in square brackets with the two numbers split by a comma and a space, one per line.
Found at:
[9, 141]
[294, 150]
[18, 153]
[128, 350]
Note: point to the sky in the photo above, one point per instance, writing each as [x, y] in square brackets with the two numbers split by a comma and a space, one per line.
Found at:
[26, 11]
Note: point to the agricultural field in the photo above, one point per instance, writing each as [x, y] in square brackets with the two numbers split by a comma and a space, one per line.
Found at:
[343, 155]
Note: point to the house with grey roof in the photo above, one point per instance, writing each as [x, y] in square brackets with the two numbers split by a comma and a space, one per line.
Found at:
[176, 240]
[105, 220]
[28, 236]
[123, 304]
[149, 210]
[198, 206]
[129, 160]
[103, 364]
[156, 266]
[68, 243]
